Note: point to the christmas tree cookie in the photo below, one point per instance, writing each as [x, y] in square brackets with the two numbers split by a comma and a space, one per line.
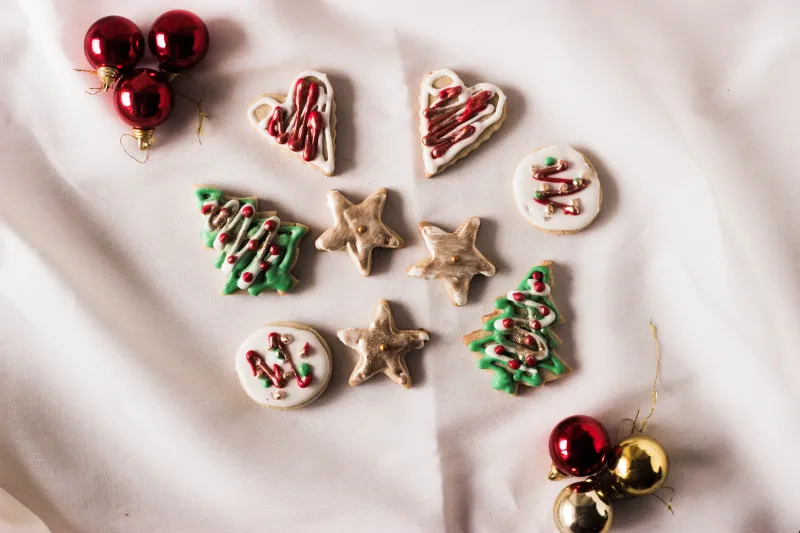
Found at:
[517, 342]
[255, 251]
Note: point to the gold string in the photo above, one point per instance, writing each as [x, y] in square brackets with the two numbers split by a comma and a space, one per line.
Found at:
[91, 90]
[667, 503]
[201, 115]
[616, 434]
[654, 390]
[147, 150]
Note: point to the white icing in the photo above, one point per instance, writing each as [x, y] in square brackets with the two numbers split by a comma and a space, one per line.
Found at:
[589, 199]
[428, 90]
[237, 228]
[324, 106]
[489, 351]
[530, 302]
[318, 358]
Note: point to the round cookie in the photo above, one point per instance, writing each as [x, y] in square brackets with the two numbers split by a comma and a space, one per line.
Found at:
[284, 365]
[557, 190]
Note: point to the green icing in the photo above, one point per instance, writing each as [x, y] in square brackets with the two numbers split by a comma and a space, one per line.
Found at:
[550, 161]
[506, 378]
[304, 369]
[278, 276]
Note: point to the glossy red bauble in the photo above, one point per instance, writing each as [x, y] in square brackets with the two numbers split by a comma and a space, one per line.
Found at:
[178, 40]
[579, 446]
[113, 45]
[144, 99]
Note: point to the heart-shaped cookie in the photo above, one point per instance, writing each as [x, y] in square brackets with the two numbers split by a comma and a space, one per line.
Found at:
[455, 119]
[303, 122]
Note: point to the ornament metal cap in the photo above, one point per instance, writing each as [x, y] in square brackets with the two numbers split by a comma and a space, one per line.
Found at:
[107, 75]
[144, 137]
[555, 474]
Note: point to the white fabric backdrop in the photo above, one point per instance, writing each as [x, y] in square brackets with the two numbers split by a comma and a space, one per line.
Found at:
[120, 406]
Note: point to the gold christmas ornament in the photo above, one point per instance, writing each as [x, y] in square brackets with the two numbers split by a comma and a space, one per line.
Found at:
[579, 508]
[639, 466]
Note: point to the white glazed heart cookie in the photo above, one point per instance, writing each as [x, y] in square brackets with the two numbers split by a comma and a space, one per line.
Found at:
[557, 190]
[284, 365]
[455, 119]
[302, 122]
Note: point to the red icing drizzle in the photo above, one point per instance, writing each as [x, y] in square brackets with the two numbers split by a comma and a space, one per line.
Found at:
[305, 127]
[258, 365]
[446, 124]
[567, 188]
[275, 343]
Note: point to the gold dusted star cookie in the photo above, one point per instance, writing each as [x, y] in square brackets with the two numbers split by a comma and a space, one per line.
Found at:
[358, 229]
[454, 258]
[382, 348]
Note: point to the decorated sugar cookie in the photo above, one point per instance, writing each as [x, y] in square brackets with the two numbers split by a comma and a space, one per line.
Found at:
[557, 190]
[255, 251]
[455, 119]
[517, 342]
[454, 258]
[382, 348]
[284, 365]
[303, 122]
[358, 229]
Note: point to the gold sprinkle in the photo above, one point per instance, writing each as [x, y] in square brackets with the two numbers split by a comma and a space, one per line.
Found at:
[454, 259]
[361, 229]
[383, 347]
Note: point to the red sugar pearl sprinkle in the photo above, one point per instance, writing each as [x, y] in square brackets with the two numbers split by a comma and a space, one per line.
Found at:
[530, 360]
[529, 340]
[274, 249]
[544, 310]
[539, 286]
[263, 265]
[270, 225]
[253, 245]
[232, 259]
[537, 276]
[223, 238]
[518, 296]
[247, 277]
[535, 324]
[499, 350]
[513, 364]
[248, 211]
[207, 209]
[508, 323]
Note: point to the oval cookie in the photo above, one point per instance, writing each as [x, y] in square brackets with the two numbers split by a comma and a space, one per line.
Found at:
[557, 190]
[284, 365]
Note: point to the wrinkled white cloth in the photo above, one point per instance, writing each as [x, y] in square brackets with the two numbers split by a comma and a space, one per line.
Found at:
[120, 409]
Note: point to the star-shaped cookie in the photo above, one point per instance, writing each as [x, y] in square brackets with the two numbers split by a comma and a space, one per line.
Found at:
[382, 348]
[454, 258]
[358, 229]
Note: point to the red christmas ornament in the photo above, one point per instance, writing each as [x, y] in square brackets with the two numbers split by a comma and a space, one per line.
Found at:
[579, 446]
[113, 45]
[179, 40]
[144, 100]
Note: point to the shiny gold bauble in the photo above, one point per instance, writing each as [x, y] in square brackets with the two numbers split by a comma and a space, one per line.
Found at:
[639, 466]
[580, 509]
